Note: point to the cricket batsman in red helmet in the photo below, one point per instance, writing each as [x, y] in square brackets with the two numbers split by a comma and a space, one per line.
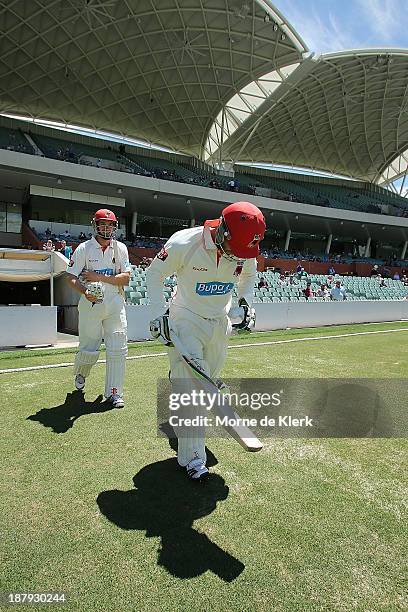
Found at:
[98, 270]
[209, 261]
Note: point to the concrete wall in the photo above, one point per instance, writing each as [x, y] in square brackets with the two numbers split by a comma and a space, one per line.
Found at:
[314, 314]
[294, 314]
[23, 325]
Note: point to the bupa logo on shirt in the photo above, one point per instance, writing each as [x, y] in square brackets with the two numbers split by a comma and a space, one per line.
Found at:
[213, 288]
[106, 271]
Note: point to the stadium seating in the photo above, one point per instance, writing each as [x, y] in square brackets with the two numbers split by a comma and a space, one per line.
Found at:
[85, 154]
[14, 140]
[294, 187]
[363, 198]
[357, 288]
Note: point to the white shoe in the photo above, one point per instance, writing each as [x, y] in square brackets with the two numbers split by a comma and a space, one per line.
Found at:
[79, 382]
[196, 469]
[117, 401]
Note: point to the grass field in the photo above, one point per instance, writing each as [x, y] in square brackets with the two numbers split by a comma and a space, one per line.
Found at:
[92, 502]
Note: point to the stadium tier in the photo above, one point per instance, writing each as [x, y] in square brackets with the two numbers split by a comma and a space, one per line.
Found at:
[294, 188]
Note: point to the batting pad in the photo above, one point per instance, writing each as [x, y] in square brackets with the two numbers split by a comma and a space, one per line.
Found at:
[182, 382]
[116, 351]
[84, 360]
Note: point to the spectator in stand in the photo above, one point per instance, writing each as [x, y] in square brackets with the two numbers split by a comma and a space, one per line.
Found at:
[263, 284]
[323, 292]
[302, 273]
[82, 236]
[396, 276]
[382, 281]
[282, 280]
[233, 185]
[298, 268]
[308, 293]
[65, 250]
[66, 234]
[338, 293]
[146, 261]
[331, 271]
[48, 246]
[47, 232]
[374, 271]
[330, 281]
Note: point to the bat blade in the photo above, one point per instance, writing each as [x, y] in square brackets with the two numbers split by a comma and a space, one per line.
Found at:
[235, 426]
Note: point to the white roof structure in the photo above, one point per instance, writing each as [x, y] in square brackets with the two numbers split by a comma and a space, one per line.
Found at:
[346, 113]
[223, 80]
[159, 70]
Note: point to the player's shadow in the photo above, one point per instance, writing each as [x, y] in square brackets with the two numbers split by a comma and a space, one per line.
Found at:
[165, 504]
[61, 418]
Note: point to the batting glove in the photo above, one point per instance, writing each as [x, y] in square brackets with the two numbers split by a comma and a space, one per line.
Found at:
[160, 329]
[249, 316]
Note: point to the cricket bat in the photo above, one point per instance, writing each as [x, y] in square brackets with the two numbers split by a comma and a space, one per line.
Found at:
[240, 432]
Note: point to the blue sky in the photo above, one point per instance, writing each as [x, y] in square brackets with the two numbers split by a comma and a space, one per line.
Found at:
[336, 25]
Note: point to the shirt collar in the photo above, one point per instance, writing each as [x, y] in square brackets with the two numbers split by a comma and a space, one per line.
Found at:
[96, 243]
[208, 240]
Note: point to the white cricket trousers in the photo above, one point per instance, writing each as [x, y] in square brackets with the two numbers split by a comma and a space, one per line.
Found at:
[107, 321]
[206, 340]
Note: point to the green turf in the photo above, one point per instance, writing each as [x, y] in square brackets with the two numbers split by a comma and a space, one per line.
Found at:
[30, 357]
[303, 525]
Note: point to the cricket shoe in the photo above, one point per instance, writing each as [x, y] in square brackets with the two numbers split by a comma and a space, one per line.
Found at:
[79, 382]
[196, 470]
[117, 401]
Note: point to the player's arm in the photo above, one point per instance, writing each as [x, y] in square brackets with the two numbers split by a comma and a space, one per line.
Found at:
[246, 282]
[122, 278]
[245, 291]
[75, 267]
[167, 262]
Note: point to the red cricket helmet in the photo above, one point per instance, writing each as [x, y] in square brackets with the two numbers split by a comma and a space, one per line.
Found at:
[243, 225]
[105, 231]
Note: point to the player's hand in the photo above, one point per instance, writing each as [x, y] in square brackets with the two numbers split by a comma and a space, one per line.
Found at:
[160, 329]
[92, 277]
[90, 297]
[248, 321]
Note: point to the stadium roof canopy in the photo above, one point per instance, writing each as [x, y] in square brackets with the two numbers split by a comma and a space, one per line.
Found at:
[159, 70]
[346, 113]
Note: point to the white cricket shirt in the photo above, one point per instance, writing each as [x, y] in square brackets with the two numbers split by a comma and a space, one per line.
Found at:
[203, 285]
[90, 256]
